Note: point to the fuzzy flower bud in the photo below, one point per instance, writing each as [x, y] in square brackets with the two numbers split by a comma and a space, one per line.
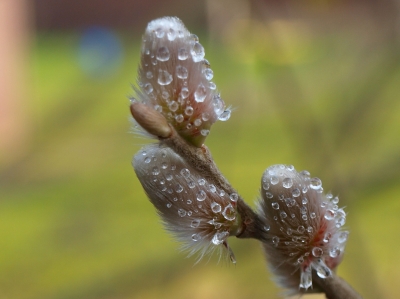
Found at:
[175, 80]
[305, 227]
[198, 213]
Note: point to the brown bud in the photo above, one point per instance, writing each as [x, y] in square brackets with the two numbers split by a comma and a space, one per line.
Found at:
[150, 120]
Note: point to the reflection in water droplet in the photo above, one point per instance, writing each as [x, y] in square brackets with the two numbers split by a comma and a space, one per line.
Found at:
[162, 53]
[164, 78]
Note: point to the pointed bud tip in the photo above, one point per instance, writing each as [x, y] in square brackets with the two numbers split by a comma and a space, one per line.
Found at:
[150, 120]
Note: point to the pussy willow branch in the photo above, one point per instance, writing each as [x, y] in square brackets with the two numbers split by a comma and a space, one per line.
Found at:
[200, 158]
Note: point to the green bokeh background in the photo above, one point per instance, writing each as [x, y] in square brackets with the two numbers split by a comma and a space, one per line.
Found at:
[75, 222]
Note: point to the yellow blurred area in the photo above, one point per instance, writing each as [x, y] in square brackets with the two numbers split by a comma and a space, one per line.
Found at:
[312, 83]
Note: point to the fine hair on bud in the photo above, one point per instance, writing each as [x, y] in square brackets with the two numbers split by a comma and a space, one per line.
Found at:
[175, 80]
[196, 212]
[305, 227]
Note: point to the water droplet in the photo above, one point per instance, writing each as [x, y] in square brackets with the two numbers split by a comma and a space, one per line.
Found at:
[178, 188]
[182, 54]
[215, 207]
[313, 215]
[169, 177]
[171, 34]
[275, 206]
[218, 238]
[212, 86]
[201, 195]
[305, 278]
[315, 183]
[234, 197]
[303, 210]
[169, 205]
[218, 104]
[173, 106]
[287, 183]
[265, 185]
[329, 214]
[267, 228]
[175, 199]
[181, 72]
[317, 251]
[155, 170]
[275, 240]
[296, 192]
[201, 182]
[335, 200]
[289, 231]
[301, 229]
[189, 110]
[149, 75]
[164, 78]
[224, 116]
[185, 173]
[283, 215]
[191, 184]
[179, 118]
[304, 217]
[162, 53]
[159, 32]
[148, 88]
[200, 93]
[196, 237]
[274, 180]
[340, 221]
[290, 202]
[212, 188]
[182, 212]
[322, 270]
[229, 213]
[205, 116]
[309, 229]
[342, 238]
[204, 132]
[334, 252]
[195, 223]
[147, 160]
[197, 122]
[189, 202]
[304, 201]
[184, 93]
[269, 195]
[209, 74]
[197, 52]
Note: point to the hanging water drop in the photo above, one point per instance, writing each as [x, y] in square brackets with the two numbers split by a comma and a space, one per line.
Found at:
[201, 195]
[216, 207]
[287, 183]
[229, 213]
[224, 116]
[197, 52]
[181, 72]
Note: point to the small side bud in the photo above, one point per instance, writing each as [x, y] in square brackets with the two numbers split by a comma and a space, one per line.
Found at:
[305, 227]
[150, 120]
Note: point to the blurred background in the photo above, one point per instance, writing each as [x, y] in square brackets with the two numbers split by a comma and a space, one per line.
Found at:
[315, 83]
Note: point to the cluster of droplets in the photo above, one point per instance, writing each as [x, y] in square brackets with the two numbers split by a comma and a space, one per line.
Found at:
[199, 213]
[305, 225]
[175, 79]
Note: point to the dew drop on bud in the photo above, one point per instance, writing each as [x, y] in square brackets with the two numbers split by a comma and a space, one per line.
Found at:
[181, 72]
[200, 93]
[229, 213]
[317, 251]
[162, 54]
[182, 54]
[224, 116]
[197, 52]
[287, 183]
[215, 207]
[201, 195]
[164, 78]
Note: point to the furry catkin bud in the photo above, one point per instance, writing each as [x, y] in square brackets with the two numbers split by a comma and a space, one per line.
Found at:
[305, 227]
[175, 80]
[198, 213]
